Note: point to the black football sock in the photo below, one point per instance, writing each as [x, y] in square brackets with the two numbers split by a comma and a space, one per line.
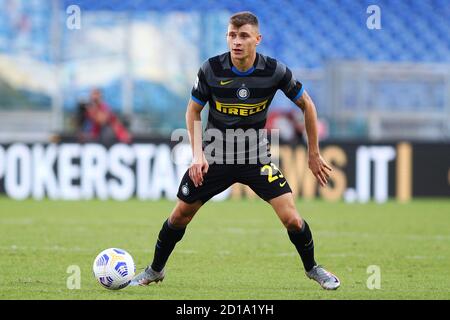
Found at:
[304, 244]
[167, 239]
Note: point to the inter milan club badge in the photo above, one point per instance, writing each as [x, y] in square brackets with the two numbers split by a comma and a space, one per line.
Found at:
[243, 93]
[185, 189]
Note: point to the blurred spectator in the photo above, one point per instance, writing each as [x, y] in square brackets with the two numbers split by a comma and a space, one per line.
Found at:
[82, 123]
[292, 128]
[96, 122]
[289, 124]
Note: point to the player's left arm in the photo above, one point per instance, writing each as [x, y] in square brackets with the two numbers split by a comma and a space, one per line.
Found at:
[317, 164]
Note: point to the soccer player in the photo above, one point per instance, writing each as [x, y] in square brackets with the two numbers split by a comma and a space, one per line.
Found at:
[239, 86]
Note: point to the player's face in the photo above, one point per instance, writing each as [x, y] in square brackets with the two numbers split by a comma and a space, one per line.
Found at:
[242, 41]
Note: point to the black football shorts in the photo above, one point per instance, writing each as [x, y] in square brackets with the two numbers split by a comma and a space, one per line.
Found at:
[266, 180]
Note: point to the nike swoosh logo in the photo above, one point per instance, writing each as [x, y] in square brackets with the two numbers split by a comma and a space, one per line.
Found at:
[222, 83]
[282, 184]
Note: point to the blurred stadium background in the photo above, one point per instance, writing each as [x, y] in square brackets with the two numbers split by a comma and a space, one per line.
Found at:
[391, 83]
[383, 101]
[385, 85]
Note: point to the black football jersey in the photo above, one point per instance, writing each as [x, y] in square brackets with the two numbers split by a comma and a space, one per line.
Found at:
[240, 100]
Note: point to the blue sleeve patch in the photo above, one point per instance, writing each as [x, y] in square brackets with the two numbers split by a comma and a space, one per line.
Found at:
[198, 101]
[299, 94]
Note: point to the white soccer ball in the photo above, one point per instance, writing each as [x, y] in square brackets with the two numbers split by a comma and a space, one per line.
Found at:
[114, 268]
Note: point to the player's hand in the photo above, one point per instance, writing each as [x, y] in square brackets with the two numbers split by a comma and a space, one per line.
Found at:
[319, 168]
[198, 169]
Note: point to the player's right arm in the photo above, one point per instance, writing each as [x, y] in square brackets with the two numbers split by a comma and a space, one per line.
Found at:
[199, 165]
[200, 94]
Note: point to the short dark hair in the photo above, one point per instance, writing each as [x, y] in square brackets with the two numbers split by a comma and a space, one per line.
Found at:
[245, 17]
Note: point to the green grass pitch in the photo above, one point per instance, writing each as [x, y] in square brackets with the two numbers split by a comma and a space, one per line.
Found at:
[231, 250]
